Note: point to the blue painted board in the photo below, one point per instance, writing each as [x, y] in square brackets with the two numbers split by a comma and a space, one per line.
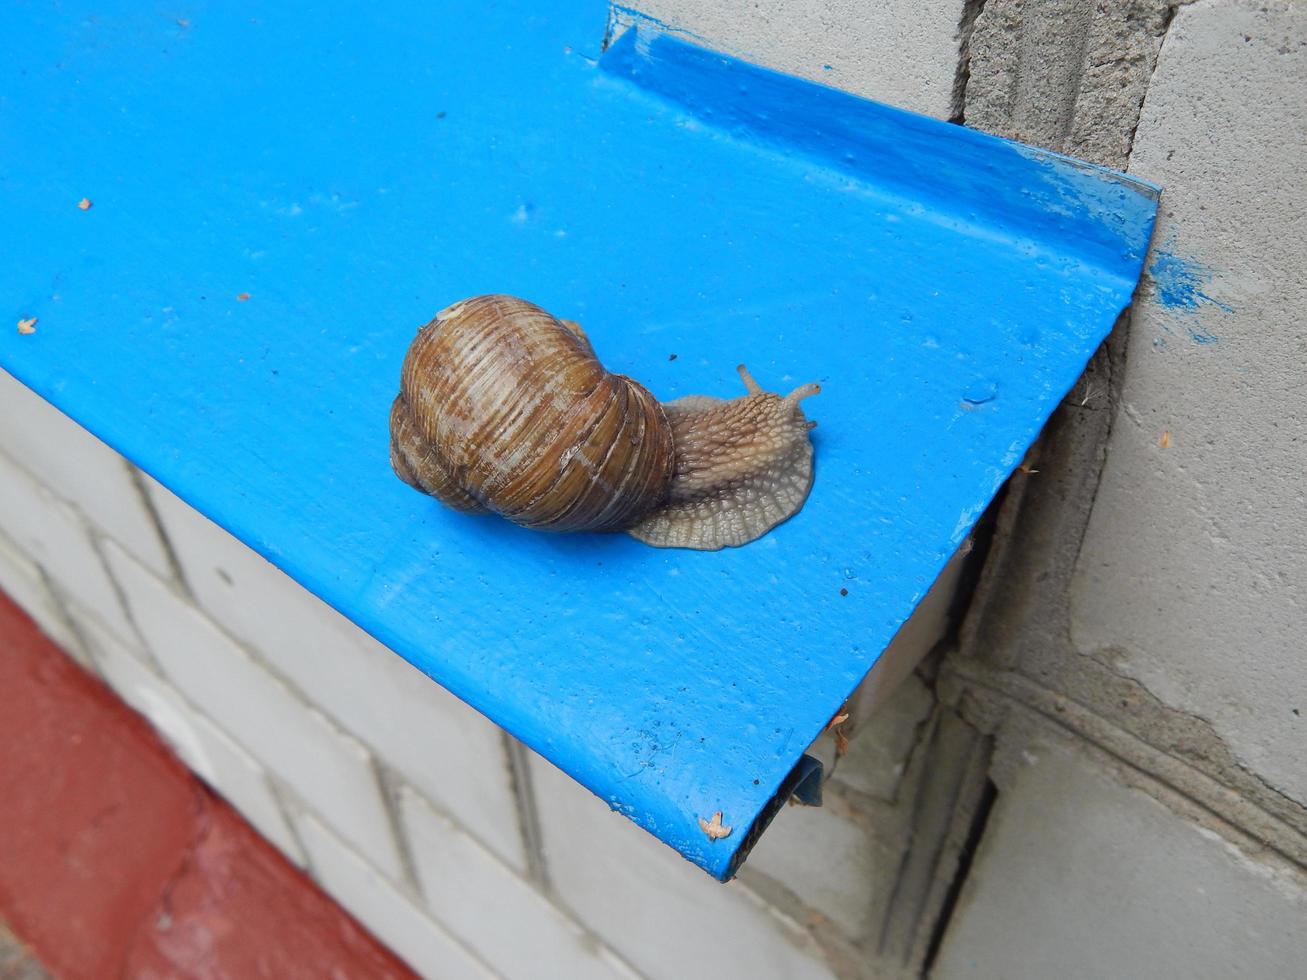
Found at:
[354, 169]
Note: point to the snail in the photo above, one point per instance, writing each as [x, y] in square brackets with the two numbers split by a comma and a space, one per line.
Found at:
[504, 408]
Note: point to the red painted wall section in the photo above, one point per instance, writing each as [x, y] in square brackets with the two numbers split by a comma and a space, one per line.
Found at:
[236, 909]
[95, 814]
[115, 861]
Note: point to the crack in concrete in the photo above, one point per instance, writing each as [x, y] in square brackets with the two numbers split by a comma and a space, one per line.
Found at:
[1113, 366]
[971, 10]
[1242, 820]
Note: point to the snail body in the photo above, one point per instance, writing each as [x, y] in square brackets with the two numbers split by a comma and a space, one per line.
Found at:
[505, 408]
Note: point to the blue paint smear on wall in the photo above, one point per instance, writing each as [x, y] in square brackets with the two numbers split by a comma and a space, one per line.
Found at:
[368, 165]
[1179, 285]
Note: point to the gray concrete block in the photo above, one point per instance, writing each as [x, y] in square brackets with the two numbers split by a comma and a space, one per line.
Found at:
[903, 52]
[663, 915]
[832, 863]
[1191, 575]
[1080, 876]
[883, 743]
[1064, 74]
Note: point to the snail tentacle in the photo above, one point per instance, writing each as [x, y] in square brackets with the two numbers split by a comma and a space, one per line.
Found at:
[747, 378]
[803, 391]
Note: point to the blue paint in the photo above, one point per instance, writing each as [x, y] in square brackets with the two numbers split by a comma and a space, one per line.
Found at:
[646, 21]
[355, 171]
[1178, 284]
[974, 183]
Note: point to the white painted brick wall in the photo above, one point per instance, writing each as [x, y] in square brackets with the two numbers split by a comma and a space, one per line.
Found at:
[512, 926]
[82, 469]
[437, 743]
[52, 535]
[831, 862]
[662, 914]
[291, 744]
[330, 770]
[204, 747]
[878, 753]
[22, 581]
[393, 917]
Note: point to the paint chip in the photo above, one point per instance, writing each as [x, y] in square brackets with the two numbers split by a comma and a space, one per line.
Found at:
[27, 326]
[1165, 441]
[84, 204]
[713, 828]
[242, 297]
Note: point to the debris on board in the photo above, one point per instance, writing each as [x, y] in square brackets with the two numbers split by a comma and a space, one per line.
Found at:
[713, 828]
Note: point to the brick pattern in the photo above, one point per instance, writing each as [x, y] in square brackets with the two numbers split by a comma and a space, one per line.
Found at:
[663, 915]
[385, 909]
[401, 801]
[1102, 881]
[426, 735]
[60, 453]
[117, 862]
[326, 767]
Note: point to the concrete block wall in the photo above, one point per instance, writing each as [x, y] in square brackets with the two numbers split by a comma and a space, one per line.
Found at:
[1083, 875]
[1099, 774]
[1135, 649]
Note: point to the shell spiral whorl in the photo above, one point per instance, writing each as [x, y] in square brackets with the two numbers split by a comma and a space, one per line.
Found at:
[504, 408]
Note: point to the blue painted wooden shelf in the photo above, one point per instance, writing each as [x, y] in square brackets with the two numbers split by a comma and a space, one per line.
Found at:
[354, 172]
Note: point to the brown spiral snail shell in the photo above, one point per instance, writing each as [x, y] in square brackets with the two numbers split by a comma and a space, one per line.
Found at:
[504, 408]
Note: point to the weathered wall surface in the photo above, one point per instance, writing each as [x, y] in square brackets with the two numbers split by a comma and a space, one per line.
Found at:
[1193, 574]
[1136, 645]
[1064, 74]
[1102, 773]
[1082, 876]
